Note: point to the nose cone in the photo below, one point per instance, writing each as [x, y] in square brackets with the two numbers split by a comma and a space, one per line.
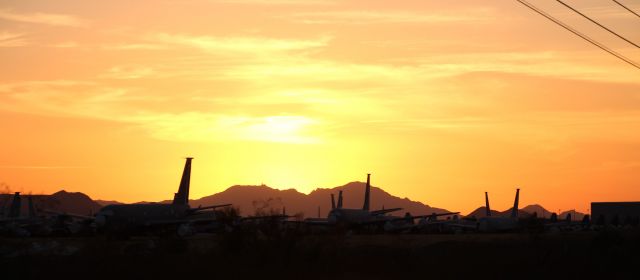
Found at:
[101, 218]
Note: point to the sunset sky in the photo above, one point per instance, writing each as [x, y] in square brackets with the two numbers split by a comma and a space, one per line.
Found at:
[439, 100]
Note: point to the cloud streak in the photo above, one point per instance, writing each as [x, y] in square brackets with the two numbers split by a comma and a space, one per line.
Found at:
[382, 17]
[40, 167]
[279, 2]
[43, 18]
[9, 39]
[76, 99]
[256, 45]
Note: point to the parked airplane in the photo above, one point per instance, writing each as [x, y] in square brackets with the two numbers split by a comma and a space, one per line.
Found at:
[567, 224]
[340, 216]
[355, 217]
[12, 223]
[323, 221]
[14, 208]
[128, 218]
[493, 224]
[453, 223]
[407, 223]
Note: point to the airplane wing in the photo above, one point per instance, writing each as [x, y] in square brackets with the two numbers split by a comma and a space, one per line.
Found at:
[405, 218]
[458, 225]
[192, 210]
[311, 221]
[265, 217]
[69, 214]
[384, 211]
[158, 223]
[409, 217]
[432, 215]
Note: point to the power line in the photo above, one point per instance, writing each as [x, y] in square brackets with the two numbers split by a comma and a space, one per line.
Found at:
[585, 37]
[626, 8]
[597, 23]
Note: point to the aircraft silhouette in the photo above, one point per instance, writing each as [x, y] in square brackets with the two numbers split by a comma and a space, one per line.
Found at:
[129, 218]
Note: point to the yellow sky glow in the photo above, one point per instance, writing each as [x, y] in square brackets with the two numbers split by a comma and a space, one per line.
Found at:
[440, 100]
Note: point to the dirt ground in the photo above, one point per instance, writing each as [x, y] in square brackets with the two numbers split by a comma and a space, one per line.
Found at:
[588, 255]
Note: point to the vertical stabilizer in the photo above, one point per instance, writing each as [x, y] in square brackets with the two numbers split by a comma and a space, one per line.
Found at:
[16, 204]
[32, 208]
[486, 204]
[367, 193]
[514, 211]
[339, 200]
[333, 202]
[182, 196]
[433, 217]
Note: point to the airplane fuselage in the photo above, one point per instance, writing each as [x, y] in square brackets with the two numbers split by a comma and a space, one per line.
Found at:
[353, 217]
[131, 216]
[496, 224]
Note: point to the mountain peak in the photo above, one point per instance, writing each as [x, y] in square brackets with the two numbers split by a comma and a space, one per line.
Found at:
[258, 198]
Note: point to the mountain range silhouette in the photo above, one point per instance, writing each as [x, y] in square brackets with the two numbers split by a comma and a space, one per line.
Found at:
[253, 199]
[62, 201]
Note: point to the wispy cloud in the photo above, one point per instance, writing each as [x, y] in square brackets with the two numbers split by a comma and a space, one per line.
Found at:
[135, 46]
[128, 72]
[35, 84]
[66, 98]
[66, 45]
[40, 167]
[380, 17]
[203, 127]
[279, 2]
[8, 39]
[239, 44]
[43, 18]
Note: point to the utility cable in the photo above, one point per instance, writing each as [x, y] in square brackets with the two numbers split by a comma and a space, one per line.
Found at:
[597, 23]
[621, 5]
[585, 37]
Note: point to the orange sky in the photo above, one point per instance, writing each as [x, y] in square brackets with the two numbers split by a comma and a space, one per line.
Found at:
[440, 100]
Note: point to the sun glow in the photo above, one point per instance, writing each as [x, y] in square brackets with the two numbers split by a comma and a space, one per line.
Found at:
[440, 100]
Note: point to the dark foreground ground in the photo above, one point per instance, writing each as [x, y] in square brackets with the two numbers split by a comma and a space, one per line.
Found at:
[579, 255]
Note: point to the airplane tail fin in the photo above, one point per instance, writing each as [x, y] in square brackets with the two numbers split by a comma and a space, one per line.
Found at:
[333, 202]
[182, 196]
[433, 217]
[339, 200]
[408, 218]
[16, 204]
[514, 211]
[32, 208]
[486, 204]
[367, 193]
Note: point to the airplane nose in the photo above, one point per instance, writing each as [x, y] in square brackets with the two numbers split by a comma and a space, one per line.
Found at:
[101, 220]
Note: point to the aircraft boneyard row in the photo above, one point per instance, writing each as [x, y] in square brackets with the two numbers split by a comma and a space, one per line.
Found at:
[179, 218]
